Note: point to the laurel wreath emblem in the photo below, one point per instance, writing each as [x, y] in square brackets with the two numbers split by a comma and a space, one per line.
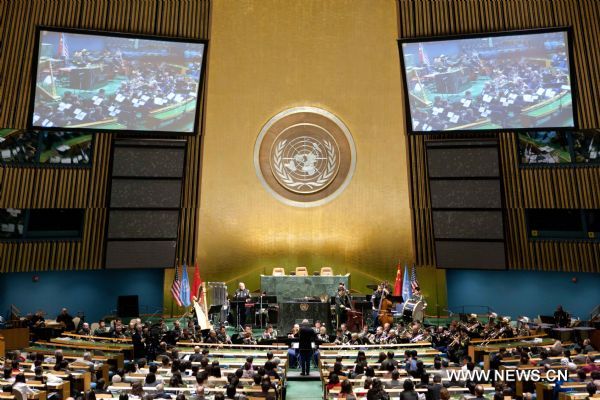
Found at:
[320, 182]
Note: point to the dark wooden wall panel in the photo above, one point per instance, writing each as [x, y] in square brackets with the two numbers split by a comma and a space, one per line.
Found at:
[83, 188]
[523, 188]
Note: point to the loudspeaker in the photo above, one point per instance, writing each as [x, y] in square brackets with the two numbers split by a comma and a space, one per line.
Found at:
[128, 306]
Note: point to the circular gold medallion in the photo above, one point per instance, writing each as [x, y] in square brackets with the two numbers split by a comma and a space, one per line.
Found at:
[304, 306]
[304, 156]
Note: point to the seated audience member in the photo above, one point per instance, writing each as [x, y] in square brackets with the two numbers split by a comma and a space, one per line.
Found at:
[85, 329]
[101, 329]
[409, 392]
[265, 386]
[424, 383]
[200, 385]
[389, 360]
[197, 355]
[270, 370]
[590, 365]
[100, 386]
[444, 394]
[556, 349]
[248, 371]
[479, 392]
[595, 375]
[137, 389]
[39, 375]
[395, 380]
[334, 382]
[151, 380]
[591, 389]
[215, 369]
[21, 386]
[338, 369]
[587, 346]
[160, 393]
[231, 393]
[433, 390]
[377, 392]
[346, 391]
[359, 372]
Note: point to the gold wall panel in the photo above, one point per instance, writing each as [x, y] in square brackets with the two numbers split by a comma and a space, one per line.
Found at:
[523, 188]
[270, 55]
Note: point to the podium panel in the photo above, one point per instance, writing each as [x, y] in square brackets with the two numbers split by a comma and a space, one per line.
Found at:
[293, 312]
[290, 287]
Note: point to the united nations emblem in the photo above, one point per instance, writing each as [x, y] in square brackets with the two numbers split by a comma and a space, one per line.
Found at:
[304, 156]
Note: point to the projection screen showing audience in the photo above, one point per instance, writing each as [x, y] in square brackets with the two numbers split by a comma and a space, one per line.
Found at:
[495, 82]
[106, 82]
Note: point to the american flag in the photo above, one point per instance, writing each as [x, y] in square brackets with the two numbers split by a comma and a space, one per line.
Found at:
[63, 49]
[423, 58]
[414, 283]
[176, 288]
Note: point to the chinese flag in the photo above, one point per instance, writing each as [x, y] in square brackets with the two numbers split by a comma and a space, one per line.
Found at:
[197, 282]
[398, 284]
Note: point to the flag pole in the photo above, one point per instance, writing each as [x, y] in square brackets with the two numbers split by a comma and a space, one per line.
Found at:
[176, 261]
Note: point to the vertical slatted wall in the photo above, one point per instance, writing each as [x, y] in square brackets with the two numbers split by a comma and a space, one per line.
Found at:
[82, 188]
[523, 188]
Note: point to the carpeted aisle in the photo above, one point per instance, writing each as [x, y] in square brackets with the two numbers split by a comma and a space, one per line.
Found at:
[305, 390]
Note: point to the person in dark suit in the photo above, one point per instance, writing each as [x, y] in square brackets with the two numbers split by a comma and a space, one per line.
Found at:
[561, 317]
[433, 390]
[66, 319]
[242, 295]
[138, 341]
[306, 337]
[342, 305]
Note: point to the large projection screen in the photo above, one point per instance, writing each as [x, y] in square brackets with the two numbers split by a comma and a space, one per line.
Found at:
[108, 82]
[489, 82]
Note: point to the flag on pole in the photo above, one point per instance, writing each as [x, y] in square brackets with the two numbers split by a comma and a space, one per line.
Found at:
[398, 284]
[63, 50]
[196, 283]
[176, 287]
[185, 287]
[414, 283]
[406, 286]
[423, 58]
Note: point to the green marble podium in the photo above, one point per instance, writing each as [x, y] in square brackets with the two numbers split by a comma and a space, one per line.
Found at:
[291, 287]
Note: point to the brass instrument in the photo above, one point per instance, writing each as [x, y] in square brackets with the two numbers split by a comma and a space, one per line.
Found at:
[474, 326]
[420, 337]
[494, 335]
[455, 340]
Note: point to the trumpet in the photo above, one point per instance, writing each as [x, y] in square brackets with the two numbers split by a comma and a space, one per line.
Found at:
[455, 340]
